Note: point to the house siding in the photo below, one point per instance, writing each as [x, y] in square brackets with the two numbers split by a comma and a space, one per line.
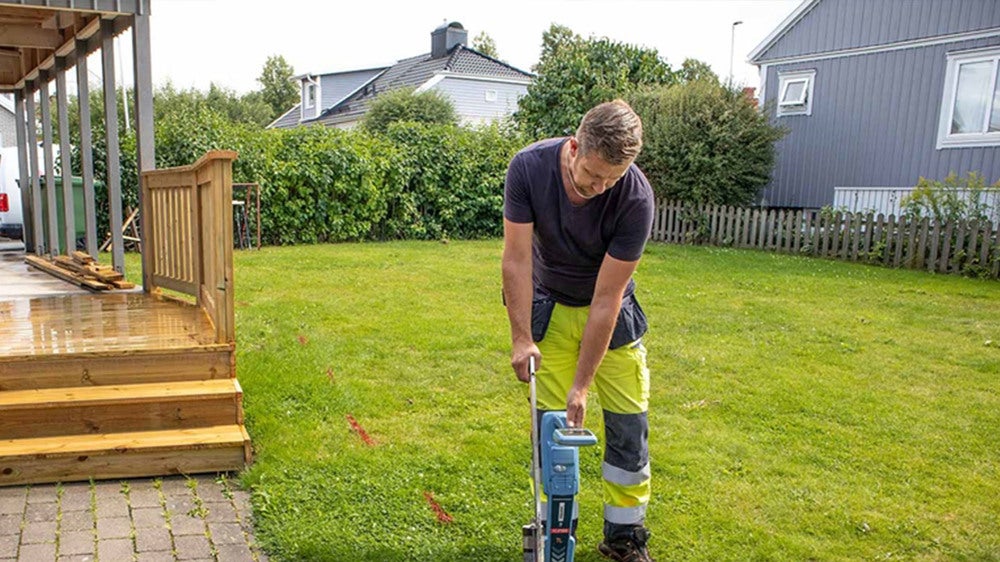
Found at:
[874, 123]
[833, 25]
[469, 98]
[8, 128]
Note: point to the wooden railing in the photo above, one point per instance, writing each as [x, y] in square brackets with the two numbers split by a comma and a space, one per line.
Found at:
[187, 218]
[969, 247]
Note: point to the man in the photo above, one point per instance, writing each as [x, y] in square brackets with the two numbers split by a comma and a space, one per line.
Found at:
[577, 214]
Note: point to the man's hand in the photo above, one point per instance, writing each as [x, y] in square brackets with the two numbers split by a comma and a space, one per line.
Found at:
[576, 406]
[519, 359]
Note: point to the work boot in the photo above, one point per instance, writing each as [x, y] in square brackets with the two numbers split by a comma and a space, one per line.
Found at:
[627, 547]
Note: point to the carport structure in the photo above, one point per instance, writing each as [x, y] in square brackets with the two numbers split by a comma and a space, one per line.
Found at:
[113, 384]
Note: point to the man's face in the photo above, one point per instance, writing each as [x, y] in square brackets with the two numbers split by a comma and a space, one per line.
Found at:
[590, 175]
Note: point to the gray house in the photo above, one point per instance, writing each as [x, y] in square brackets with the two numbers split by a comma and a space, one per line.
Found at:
[481, 88]
[876, 94]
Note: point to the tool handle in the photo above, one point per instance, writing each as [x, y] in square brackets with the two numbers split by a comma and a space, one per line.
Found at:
[536, 464]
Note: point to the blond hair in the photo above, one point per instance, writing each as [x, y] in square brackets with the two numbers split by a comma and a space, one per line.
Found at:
[613, 130]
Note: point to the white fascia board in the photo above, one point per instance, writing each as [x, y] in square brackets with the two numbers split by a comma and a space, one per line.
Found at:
[433, 81]
[782, 28]
[888, 47]
[484, 78]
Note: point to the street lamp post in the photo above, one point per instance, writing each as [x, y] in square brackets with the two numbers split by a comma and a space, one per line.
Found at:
[732, 47]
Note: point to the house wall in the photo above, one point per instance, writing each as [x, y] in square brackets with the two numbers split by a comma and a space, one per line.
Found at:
[8, 131]
[845, 24]
[470, 101]
[874, 123]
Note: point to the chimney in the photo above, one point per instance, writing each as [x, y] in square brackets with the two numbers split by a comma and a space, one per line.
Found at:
[447, 36]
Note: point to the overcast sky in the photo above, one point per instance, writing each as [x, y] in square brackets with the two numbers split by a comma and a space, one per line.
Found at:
[196, 42]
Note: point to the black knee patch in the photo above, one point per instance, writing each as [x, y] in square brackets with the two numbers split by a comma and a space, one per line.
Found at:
[626, 440]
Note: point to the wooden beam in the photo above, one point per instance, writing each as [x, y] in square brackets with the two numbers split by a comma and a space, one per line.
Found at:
[14, 35]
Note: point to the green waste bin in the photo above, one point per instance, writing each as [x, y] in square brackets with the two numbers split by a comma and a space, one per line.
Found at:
[79, 212]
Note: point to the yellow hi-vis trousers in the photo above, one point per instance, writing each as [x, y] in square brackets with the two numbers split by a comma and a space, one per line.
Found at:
[622, 385]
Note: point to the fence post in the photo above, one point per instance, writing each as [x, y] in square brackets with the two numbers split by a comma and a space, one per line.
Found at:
[856, 237]
[922, 244]
[957, 257]
[946, 248]
[984, 252]
[970, 254]
[845, 243]
[890, 236]
[900, 233]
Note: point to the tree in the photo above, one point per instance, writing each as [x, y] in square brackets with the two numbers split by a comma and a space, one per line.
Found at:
[404, 105]
[277, 88]
[485, 45]
[704, 143]
[575, 74]
[694, 69]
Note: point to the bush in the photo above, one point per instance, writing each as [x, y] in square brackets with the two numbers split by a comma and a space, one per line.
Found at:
[403, 105]
[575, 74]
[953, 199]
[704, 143]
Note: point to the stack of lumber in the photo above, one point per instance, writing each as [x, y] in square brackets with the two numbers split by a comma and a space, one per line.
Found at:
[81, 269]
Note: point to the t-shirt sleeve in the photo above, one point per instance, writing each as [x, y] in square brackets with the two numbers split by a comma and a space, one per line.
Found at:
[516, 199]
[634, 223]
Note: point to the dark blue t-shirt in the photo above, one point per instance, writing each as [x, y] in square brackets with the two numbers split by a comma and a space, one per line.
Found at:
[571, 241]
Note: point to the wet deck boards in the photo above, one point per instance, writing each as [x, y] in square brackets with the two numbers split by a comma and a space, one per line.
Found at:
[43, 316]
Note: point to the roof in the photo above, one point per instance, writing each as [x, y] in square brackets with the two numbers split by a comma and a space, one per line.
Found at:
[782, 29]
[410, 73]
[34, 32]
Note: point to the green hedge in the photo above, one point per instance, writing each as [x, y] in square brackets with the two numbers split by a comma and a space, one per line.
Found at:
[415, 181]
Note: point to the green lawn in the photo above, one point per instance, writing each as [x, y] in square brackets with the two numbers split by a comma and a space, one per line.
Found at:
[801, 409]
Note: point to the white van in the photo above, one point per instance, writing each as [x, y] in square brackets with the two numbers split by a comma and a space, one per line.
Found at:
[11, 219]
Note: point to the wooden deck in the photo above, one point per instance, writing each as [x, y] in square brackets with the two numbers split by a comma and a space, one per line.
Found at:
[111, 385]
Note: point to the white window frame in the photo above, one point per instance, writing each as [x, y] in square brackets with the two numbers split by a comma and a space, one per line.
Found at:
[947, 139]
[313, 88]
[803, 106]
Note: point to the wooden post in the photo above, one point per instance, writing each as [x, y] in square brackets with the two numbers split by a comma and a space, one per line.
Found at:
[946, 247]
[62, 109]
[890, 237]
[879, 239]
[856, 237]
[935, 244]
[845, 243]
[113, 173]
[922, 245]
[900, 239]
[27, 191]
[957, 257]
[911, 241]
[984, 250]
[970, 254]
[86, 148]
[838, 223]
[867, 243]
[50, 169]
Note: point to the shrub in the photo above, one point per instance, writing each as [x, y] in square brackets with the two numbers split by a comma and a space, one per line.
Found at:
[575, 74]
[704, 143]
[953, 199]
[404, 105]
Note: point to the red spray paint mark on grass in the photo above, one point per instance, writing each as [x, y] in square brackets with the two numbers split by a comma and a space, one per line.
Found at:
[360, 431]
[442, 515]
[303, 340]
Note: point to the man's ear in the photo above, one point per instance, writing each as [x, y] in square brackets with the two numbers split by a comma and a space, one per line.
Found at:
[574, 146]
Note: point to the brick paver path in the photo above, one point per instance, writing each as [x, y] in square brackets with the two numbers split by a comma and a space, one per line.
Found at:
[202, 518]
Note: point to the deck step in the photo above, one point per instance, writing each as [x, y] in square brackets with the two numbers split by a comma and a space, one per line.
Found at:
[61, 370]
[123, 455]
[120, 408]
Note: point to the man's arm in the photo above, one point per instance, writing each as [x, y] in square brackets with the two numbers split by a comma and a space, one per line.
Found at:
[612, 279]
[518, 293]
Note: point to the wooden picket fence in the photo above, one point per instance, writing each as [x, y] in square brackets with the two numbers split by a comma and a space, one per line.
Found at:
[967, 247]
